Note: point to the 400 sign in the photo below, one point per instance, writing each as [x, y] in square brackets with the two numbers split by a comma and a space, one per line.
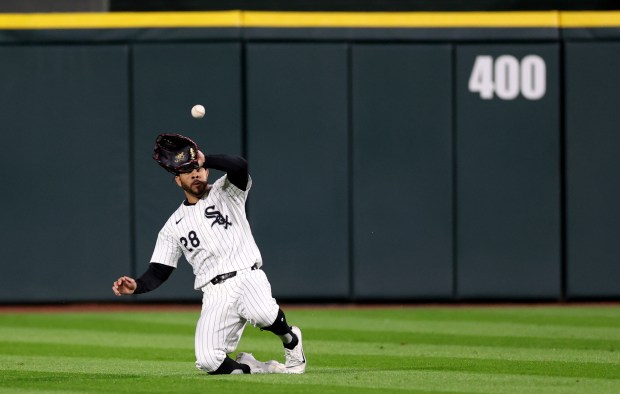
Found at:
[506, 77]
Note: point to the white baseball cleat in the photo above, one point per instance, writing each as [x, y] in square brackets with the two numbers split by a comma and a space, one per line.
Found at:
[256, 366]
[295, 358]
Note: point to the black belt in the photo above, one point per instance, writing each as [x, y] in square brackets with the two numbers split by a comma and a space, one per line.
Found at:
[223, 277]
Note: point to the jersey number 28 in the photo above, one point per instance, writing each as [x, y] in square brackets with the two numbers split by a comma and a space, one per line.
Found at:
[193, 240]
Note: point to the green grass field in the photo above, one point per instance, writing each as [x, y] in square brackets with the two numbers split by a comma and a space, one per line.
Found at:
[421, 350]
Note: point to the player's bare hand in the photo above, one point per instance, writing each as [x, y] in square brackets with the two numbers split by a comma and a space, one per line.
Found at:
[201, 158]
[124, 286]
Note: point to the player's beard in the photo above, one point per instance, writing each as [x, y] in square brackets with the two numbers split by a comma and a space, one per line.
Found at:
[196, 188]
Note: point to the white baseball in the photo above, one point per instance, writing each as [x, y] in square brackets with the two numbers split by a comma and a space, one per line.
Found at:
[198, 111]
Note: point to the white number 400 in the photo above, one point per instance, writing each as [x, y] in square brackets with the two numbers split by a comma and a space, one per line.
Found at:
[506, 77]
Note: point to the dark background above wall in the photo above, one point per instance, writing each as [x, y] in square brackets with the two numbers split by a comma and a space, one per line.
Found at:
[26, 6]
[361, 5]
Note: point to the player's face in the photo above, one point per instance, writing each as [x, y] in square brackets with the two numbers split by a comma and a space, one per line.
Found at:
[194, 183]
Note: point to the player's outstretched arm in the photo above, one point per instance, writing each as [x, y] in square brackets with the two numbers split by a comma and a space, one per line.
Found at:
[124, 286]
[151, 279]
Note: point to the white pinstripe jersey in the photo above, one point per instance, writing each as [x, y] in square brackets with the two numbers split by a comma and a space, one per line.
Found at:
[213, 234]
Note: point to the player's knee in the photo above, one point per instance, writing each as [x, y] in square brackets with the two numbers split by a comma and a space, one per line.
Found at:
[263, 321]
[260, 309]
[263, 317]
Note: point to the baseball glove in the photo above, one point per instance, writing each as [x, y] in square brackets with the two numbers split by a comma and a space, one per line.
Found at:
[176, 153]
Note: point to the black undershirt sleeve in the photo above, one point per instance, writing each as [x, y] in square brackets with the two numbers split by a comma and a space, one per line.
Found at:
[153, 277]
[236, 168]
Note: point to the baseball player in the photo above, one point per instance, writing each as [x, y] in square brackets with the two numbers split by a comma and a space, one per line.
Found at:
[211, 230]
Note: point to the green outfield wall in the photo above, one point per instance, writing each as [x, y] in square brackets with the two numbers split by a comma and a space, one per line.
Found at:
[395, 156]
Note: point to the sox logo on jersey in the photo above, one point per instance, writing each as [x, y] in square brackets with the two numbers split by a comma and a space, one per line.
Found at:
[210, 212]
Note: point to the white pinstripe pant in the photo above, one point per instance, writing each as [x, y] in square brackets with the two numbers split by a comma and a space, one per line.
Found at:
[226, 308]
